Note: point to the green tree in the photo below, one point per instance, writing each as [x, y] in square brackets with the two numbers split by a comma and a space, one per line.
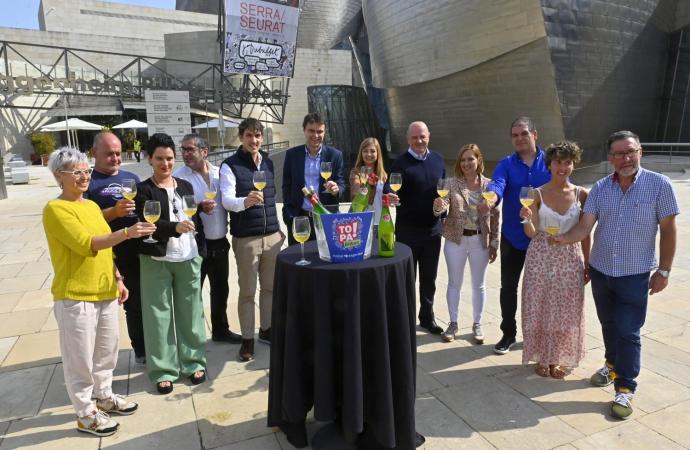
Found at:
[43, 143]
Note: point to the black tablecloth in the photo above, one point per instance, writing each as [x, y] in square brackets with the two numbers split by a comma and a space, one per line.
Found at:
[343, 341]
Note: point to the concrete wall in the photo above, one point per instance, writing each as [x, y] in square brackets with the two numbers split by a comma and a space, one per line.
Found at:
[120, 20]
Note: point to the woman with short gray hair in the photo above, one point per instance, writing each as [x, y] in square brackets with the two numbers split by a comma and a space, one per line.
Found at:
[87, 289]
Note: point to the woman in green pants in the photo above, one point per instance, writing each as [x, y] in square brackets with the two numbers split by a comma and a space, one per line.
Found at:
[172, 310]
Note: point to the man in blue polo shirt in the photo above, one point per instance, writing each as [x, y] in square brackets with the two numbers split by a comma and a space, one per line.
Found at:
[628, 206]
[524, 167]
[106, 190]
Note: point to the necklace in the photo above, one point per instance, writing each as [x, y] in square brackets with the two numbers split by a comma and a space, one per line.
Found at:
[171, 200]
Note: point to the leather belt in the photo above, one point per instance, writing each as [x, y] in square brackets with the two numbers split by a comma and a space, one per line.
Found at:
[467, 232]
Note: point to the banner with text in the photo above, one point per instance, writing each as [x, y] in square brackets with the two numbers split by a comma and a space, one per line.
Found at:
[261, 37]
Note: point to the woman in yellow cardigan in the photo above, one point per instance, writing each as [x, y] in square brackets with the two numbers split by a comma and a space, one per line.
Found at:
[87, 289]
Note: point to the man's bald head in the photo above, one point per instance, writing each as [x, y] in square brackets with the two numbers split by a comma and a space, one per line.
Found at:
[418, 137]
[107, 153]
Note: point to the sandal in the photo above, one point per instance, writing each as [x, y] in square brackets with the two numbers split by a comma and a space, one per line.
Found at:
[557, 371]
[198, 377]
[164, 387]
[542, 371]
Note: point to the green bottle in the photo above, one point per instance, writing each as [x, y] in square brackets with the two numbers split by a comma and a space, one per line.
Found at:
[361, 201]
[317, 206]
[386, 230]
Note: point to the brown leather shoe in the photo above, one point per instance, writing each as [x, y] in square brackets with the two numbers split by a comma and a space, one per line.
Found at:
[246, 350]
[265, 336]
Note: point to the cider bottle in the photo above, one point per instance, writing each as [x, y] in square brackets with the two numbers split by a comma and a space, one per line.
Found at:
[317, 206]
[386, 229]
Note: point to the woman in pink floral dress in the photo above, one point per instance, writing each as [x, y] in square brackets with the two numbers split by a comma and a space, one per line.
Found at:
[553, 324]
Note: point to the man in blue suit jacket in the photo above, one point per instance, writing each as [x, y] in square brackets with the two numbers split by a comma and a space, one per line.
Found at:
[302, 168]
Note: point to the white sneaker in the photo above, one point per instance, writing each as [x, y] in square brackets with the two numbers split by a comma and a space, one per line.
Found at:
[477, 333]
[117, 404]
[97, 423]
[449, 334]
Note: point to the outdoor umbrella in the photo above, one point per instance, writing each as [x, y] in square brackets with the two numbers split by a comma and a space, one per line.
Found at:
[133, 124]
[71, 125]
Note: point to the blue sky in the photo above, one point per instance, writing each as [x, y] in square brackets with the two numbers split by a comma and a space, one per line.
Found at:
[24, 13]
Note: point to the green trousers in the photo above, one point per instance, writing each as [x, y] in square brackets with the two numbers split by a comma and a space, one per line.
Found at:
[173, 316]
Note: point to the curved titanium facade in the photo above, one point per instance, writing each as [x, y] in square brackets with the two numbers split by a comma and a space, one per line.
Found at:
[324, 24]
[467, 68]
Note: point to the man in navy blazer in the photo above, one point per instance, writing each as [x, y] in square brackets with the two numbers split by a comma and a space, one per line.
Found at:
[302, 168]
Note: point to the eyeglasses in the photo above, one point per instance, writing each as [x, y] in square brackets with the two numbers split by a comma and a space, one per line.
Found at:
[79, 173]
[188, 149]
[621, 155]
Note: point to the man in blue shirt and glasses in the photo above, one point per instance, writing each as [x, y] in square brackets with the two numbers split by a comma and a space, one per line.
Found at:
[524, 167]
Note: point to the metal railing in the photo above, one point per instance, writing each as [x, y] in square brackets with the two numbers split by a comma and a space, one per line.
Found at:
[216, 158]
[675, 149]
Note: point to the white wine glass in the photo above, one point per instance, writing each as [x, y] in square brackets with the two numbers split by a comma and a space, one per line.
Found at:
[442, 188]
[490, 196]
[395, 182]
[301, 230]
[152, 212]
[326, 172]
[189, 207]
[129, 191]
[552, 225]
[526, 199]
[259, 182]
[211, 191]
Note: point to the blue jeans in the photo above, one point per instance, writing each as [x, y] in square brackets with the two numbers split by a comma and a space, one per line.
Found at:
[621, 307]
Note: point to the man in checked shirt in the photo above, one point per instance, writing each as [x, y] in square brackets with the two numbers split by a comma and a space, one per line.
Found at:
[629, 205]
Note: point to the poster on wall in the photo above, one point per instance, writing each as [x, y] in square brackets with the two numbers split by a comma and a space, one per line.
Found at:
[261, 37]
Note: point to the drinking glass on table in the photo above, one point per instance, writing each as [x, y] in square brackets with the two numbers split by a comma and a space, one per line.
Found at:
[526, 199]
[152, 212]
[395, 182]
[326, 172]
[129, 191]
[259, 182]
[301, 230]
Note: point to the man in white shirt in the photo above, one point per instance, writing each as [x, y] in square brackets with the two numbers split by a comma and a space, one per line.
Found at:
[204, 177]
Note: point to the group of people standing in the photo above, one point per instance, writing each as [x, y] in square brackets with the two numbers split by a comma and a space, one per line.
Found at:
[101, 259]
[94, 230]
[545, 230]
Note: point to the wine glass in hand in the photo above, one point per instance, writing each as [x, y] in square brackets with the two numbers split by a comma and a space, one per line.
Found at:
[152, 212]
[526, 199]
[129, 191]
[395, 182]
[260, 182]
[326, 172]
[189, 207]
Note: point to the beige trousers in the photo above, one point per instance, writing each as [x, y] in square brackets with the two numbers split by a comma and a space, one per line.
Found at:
[255, 255]
[89, 339]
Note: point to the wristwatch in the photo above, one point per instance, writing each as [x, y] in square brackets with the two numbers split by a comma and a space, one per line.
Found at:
[663, 273]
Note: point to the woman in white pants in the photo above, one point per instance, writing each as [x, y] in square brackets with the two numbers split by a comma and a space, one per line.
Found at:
[87, 289]
[470, 236]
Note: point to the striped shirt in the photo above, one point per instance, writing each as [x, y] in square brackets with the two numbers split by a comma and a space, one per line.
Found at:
[627, 222]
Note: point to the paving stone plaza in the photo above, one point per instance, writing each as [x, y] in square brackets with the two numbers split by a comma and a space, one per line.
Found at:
[467, 397]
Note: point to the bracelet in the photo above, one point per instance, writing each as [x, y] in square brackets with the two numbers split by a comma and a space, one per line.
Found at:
[125, 231]
[119, 278]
